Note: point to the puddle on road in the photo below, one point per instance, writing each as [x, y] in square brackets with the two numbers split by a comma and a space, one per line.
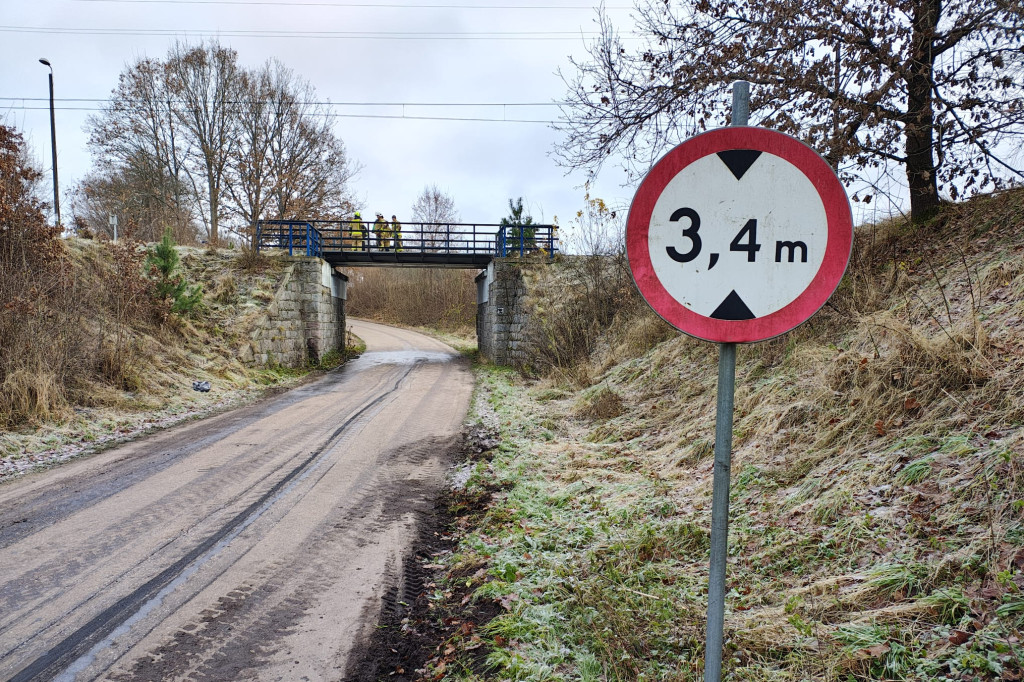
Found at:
[399, 357]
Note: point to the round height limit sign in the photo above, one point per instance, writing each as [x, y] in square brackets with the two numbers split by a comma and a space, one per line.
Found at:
[739, 234]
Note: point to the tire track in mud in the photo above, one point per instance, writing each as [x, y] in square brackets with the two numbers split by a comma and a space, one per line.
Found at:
[72, 653]
[249, 622]
[47, 579]
[46, 506]
[247, 626]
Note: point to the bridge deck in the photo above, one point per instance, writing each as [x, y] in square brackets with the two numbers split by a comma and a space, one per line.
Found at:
[354, 244]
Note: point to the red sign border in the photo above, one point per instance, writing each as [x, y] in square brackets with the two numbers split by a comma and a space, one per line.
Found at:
[837, 249]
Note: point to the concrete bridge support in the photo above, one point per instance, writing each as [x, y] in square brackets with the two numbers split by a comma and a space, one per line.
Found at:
[306, 319]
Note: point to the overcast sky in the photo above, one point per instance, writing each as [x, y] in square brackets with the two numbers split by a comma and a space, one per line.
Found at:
[362, 65]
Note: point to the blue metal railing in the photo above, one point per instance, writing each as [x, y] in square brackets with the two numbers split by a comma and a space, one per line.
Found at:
[433, 241]
[523, 240]
[293, 235]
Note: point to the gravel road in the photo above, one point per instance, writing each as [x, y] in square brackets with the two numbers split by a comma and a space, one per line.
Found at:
[255, 545]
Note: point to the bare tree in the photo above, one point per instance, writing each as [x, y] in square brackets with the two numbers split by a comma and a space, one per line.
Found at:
[250, 182]
[142, 215]
[436, 210]
[205, 79]
[312, 169]
[197, 135]
[139, 152]
[288, 163]
[933, 87]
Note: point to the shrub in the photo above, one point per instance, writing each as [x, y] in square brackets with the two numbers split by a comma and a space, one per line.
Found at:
[40, 303]
[171, 287]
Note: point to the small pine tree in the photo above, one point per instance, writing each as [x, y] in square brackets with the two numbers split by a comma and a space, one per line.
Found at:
[516, 222]
[162, 263]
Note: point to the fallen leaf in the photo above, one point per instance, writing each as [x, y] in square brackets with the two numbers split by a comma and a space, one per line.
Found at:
[878, 650]
[991, 592]
[911, 404]
[958, 637]
[880, 427]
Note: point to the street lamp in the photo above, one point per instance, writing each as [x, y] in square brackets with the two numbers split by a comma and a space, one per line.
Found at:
[53, 141]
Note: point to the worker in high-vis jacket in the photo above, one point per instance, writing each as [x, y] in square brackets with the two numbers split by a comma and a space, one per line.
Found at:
[356, 234]
[396, 233]
[380, 230]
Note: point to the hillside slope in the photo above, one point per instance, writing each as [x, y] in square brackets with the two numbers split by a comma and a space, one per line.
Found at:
[102, 362]
[877, 525]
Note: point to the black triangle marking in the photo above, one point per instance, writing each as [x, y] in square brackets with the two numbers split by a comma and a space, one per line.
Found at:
[732, 308]
[739, 161]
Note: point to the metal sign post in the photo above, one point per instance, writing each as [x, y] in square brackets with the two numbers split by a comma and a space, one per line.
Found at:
[723, 465]
[737, 235]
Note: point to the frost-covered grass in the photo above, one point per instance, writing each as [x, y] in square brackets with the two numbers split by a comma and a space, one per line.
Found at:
[877, 525]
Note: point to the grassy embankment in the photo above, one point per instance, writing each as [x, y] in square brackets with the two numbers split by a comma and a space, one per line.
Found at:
[877, 526]
[98, 360]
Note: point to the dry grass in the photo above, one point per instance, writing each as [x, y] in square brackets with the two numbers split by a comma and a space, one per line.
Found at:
[585, 317]
[878, 481]
[100, 341]
[419, 297]
[598, 403]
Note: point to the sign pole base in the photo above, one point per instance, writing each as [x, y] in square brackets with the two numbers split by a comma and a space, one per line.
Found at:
[720, 512]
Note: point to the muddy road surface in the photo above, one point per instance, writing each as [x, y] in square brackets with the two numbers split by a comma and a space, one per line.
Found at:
[255, 545]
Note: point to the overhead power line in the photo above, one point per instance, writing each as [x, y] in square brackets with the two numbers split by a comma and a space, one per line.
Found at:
[322, 103]
[405, 117]
[368, 5]
[333, 35]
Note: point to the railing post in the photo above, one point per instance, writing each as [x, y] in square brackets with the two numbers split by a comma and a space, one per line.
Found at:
[290, 239]
[522, 241]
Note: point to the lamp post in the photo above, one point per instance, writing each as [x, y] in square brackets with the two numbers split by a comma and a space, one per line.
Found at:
[53, 141]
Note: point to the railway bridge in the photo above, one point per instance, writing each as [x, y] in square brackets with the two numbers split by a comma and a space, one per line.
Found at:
[495, 250]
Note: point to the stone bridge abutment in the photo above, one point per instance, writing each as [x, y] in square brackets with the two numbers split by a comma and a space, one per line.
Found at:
[306, 318]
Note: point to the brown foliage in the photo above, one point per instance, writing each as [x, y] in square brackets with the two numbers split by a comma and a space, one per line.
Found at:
[445, 299]
[39, 308]
[63, 323]
[20, 211]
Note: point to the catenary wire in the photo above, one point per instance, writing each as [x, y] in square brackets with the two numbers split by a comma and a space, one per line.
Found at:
[399, 117]
[356, 35]
[361, 5]
[322, 103]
